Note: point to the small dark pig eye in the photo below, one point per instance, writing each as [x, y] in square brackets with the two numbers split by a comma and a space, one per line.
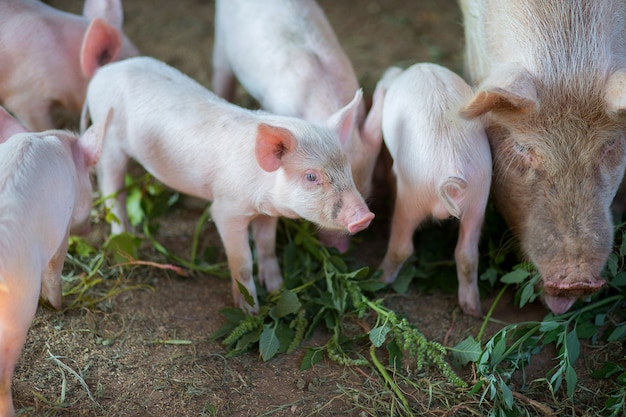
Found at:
[522, 149]
[311, 177]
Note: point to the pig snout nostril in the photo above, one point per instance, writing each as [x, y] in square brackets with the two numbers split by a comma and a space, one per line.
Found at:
[361, 220]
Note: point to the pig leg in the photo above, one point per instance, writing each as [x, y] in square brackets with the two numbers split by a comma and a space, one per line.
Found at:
[224, 81]
[406, 218]
[466, 257]
[111, 170]
[17, 310]
[264, 233]
[51, 276]
[234, 234]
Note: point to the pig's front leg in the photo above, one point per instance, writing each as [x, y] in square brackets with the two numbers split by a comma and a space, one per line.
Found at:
[51, 276]
[466, 257]
[264, 233]
[234, 233]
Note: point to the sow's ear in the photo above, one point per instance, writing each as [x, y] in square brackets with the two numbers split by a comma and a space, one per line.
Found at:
[102, 44]
[615, 95]
[508, 90]
[272, 144]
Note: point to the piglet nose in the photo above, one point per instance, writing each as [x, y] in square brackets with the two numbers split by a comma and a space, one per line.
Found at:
[360, 221]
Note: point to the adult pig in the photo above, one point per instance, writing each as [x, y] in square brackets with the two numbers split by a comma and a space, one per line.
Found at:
[48, 55]
[251, 165]
[286, 55]
[44, 192]
[551, 77]
[442, 166]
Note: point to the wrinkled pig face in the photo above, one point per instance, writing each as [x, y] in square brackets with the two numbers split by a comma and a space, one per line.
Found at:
[554, 180]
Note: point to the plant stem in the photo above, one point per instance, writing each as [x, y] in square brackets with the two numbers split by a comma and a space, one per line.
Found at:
[490, 313]
[196, 234]
[383, 372]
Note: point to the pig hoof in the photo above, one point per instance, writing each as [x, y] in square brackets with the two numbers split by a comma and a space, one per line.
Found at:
[272, 283]
[240, 302]
[472, 310]
[270, 276]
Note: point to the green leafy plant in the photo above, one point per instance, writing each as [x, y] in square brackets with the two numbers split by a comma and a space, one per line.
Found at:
[320, 289]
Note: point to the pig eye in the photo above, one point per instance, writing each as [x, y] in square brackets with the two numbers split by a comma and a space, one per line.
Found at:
[610, 145]
[311, 177]
[521, 149]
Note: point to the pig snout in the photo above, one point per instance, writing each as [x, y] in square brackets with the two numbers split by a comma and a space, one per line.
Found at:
[562, 289]
[359, 220]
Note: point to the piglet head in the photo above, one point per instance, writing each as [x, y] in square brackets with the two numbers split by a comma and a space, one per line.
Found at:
[313, 177]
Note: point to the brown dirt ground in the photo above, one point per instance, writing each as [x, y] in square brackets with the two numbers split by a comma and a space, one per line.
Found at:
[118, 347]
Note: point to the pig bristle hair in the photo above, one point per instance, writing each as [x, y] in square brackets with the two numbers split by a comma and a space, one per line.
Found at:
[449, 188]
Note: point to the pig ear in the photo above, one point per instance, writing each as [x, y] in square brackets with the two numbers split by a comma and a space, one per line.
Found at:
[507, 90]
[108, 10]
[344, 120]
[90, 142]
[272, 143]
[615, 94]
[102, 44]
[9, 126]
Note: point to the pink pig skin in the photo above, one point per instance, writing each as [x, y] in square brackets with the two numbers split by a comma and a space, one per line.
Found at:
[253, 166]
[45, 192]
[51, 63]
[294, 66]
[442, 165]
[9, 126]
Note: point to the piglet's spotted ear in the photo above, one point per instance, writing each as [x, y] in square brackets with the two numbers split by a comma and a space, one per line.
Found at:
[272, 144]
[102, 44]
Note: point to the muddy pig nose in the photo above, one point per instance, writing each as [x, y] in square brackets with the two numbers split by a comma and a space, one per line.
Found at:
[360, 220]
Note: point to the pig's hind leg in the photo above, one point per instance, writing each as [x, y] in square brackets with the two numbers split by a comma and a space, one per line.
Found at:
[406, 218]
[466, 257]
[17, 310]
[264, 233]
[51, 277]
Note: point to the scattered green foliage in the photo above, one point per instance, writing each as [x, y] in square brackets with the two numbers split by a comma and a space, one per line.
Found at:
[512, 348]
[322, 290]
